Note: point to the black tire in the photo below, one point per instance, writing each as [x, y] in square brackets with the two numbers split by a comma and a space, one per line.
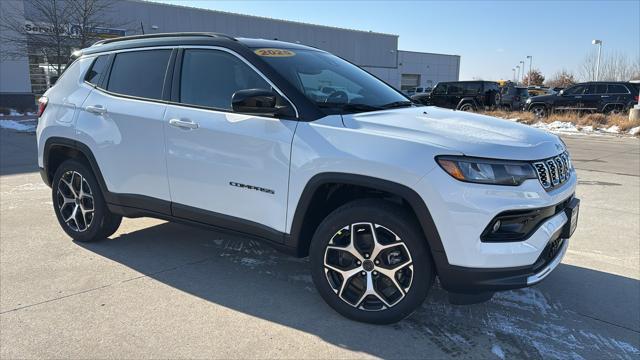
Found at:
[392, 218]
[540, 111]
[88, 225]
[613, 110]
[467, 107]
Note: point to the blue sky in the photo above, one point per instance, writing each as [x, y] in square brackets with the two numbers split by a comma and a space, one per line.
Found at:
[491, 36]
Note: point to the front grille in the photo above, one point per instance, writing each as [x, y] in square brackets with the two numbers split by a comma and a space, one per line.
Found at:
[553, 172]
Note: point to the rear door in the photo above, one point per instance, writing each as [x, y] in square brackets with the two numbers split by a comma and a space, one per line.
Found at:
[455, 92]
[225, 168]
[617, 95]
[122, 123]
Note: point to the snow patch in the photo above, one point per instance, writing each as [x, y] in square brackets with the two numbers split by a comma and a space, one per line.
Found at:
[17, 126]
[497, 350]
[614, 129]
[634, 131]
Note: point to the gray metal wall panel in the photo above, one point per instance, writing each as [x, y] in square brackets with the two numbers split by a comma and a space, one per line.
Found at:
[360, 47]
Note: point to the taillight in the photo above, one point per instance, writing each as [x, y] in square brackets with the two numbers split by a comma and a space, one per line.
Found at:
[42, 104]
[637, 98]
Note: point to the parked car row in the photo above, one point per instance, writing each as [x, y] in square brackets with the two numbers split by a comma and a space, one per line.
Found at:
[603, 97]
[462, 95]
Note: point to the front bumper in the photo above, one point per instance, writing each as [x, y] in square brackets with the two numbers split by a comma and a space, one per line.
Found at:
[463, 280]
[466, 263]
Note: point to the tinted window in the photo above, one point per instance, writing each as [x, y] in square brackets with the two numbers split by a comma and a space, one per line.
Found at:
[454, 89]
[576, 90]
[139, 73]
[471, 88]
[209, 78]
[440, 89]
[97, 69]
[617, 89]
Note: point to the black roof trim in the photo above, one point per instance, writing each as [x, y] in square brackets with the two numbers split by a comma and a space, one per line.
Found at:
[162, 35]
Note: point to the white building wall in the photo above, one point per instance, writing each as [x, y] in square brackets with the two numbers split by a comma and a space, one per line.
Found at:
[14, 72]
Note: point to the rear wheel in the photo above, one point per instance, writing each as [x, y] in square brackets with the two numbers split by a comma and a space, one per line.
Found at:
[467, 107]
[79, 204]
[370, 262]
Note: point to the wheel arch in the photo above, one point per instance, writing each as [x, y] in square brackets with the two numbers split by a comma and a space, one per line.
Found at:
[467, 100]
[59, 149]
[309, 212]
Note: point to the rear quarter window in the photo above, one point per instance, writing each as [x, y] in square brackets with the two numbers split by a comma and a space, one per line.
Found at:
[617, 89]
[98, 67]
[139, 73]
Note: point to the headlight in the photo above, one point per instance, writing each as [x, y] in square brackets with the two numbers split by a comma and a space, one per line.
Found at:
[528, 100]
[486, 171]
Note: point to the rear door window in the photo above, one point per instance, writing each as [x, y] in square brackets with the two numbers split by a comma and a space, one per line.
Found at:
[617, 89]
[472, 88]
[454, 89]
[139, 73]
[94, 75]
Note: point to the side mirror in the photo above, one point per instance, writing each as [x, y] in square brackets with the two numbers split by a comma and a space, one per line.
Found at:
[255, 101]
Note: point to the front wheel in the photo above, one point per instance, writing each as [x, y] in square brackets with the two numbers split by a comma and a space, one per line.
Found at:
[539, 111]
[370, 262]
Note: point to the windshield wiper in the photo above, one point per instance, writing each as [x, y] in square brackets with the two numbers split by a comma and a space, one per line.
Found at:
[346, 107]
[397, 104]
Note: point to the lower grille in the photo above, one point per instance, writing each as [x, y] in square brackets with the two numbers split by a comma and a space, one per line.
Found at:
[553, 172]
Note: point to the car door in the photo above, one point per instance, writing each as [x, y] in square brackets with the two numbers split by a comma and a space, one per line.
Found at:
[594, 96]
[438, 95]
[454, 95]
[226, 169]
[121, 121]
[571, 98]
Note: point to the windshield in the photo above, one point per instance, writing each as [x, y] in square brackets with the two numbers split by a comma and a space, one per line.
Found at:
[335, 85]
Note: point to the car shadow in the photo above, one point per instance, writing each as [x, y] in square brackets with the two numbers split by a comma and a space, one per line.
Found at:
[247, 276]
[18, 153]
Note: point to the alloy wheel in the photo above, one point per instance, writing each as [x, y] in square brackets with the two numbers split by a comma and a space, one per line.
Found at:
[368, 266]
[75, 201]
[538, 111]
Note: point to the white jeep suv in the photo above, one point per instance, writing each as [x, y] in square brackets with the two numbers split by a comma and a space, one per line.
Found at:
[304, 150]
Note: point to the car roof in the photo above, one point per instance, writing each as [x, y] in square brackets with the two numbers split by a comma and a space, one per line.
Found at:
[185, 38]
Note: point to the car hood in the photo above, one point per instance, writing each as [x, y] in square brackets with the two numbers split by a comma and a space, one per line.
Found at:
[460, 132]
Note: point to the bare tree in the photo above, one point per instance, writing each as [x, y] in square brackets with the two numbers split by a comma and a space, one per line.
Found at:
[53, 29]
[614, 66]
[563, 79]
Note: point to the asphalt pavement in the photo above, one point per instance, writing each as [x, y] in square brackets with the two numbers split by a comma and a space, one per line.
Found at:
[162, 290]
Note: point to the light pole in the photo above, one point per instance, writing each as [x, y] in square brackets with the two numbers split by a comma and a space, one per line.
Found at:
[514, 74]
[518, 77]
[599, 43]
[530, 69]
[522, 63]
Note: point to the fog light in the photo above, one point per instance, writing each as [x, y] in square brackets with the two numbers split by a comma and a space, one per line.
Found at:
[496, 226]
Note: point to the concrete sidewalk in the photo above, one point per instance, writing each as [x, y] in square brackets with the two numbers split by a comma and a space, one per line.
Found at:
[162, 290]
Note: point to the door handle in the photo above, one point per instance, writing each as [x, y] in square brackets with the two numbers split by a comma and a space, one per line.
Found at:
[183, 124]
[605, 96]
[96, 109]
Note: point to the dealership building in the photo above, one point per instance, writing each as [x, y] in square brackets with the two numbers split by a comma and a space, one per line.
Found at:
[27, 76]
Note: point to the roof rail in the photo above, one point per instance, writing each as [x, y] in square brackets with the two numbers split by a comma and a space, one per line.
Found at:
[161, 35]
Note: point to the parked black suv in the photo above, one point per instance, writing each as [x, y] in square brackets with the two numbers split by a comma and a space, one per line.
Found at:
[463, 95]
[513, 97]
[603, 97]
